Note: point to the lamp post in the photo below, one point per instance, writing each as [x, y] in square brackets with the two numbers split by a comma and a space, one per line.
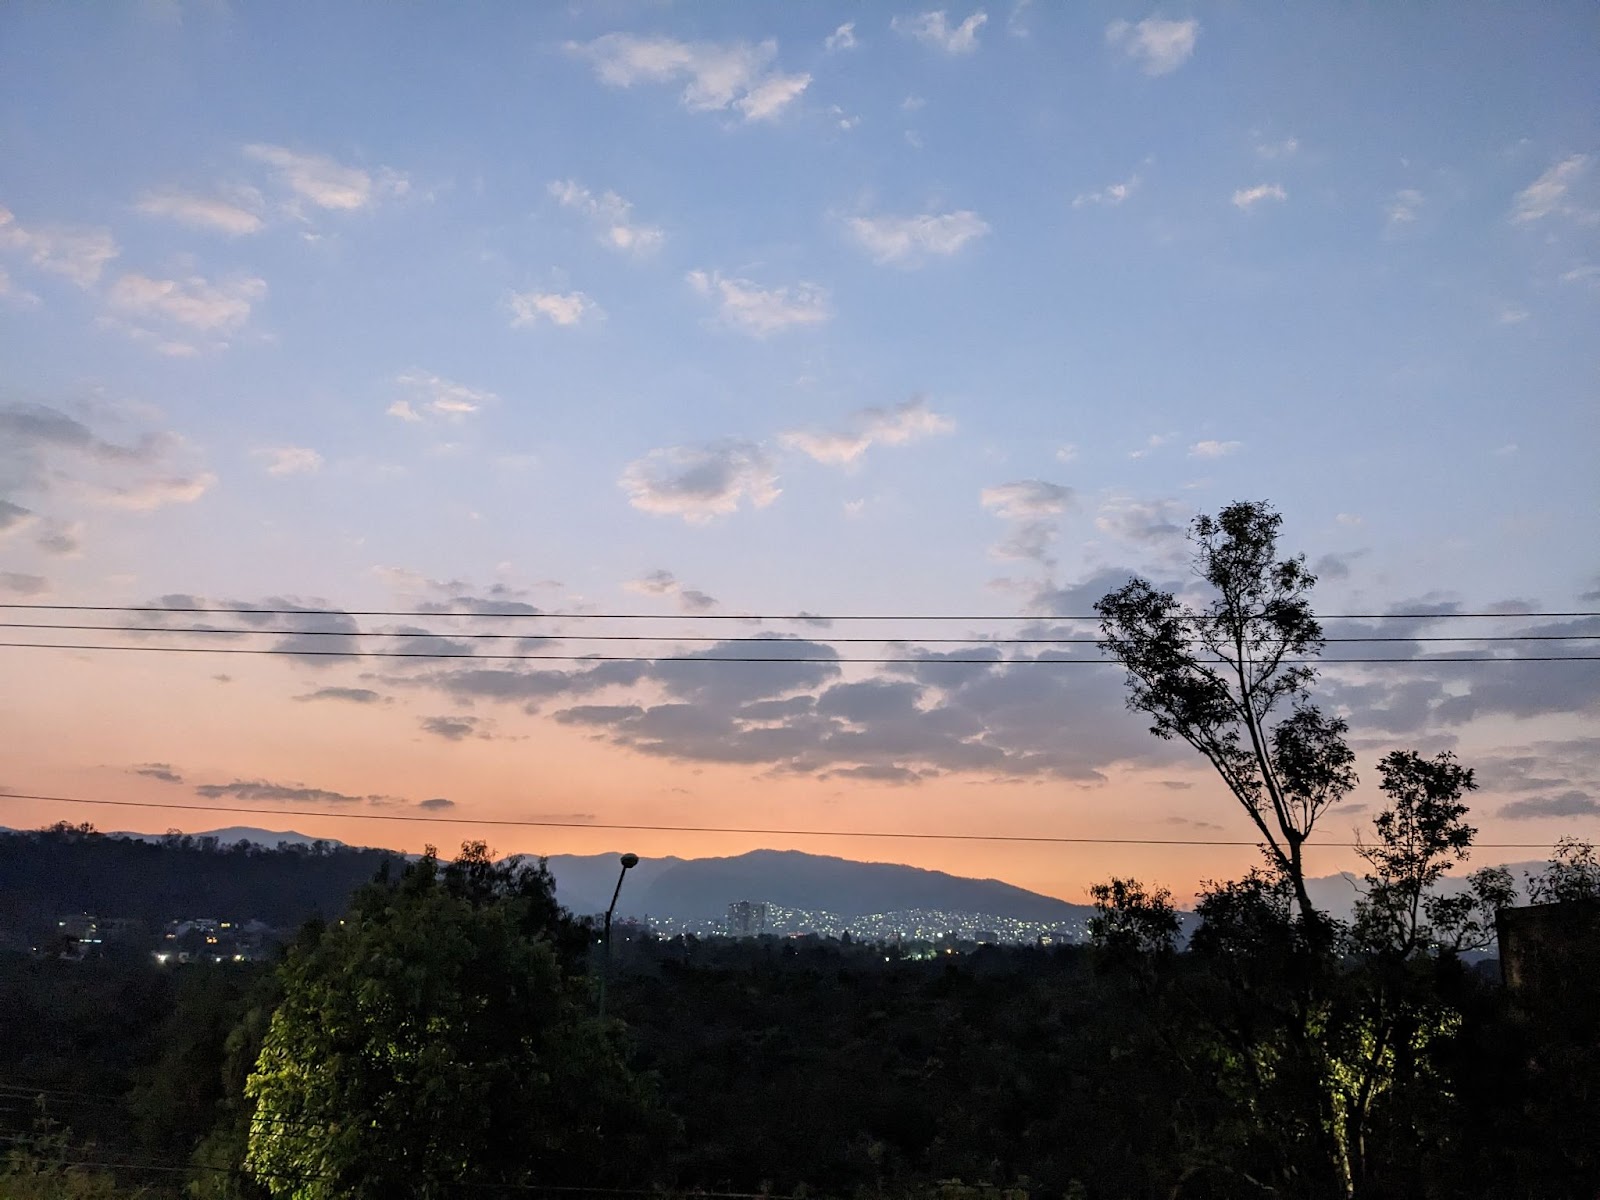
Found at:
[629, 861]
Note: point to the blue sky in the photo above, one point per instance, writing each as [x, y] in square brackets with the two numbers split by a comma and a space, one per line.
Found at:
[725, 308]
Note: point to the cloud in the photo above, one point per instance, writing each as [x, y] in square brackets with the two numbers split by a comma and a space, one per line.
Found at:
[759, 311]
[1109, 196]
[1140, 520]
[1066, 452]
[1211, 449]
[150, 494]
[436, 804]
[1158, 46]
[1402, 207]
[193, 302]
[259, 790]
[1154, 442]
[19, 584]
[717, 76]
[455, 728]
[842, 38]
[1564, 804]
[158, 770]
[1247, 198]
[1550, 194]
[1284, 148]
[934, 29]
[437, 396]
[665, 583]
[350, 695]
[1025, 499]
[700, 483]
[47, 453]
[611, 216]
[234, 217]
[564, 309]
[13, 516]
[1032, 505]
[325, 183]
[77, 253]
[289, 460]
[894, 426]
[908, 241]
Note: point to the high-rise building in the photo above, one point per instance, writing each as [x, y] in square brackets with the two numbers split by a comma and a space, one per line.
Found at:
[746, 919]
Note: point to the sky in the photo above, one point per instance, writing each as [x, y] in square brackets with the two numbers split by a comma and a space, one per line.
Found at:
[717, 311]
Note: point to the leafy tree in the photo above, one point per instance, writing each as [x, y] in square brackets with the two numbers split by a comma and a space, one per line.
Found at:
[1420, 833]
[1573, 874]
[431, 1041]
[1232, 678]
[1130, 921]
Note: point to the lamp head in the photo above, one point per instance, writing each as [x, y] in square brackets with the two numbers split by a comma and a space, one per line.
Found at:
[629, 861]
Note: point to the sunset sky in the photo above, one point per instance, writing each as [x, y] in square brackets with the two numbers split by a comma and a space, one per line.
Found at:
[701, 311]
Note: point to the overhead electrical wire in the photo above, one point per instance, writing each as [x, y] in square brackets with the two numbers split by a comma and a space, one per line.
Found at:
[623, 827]
[800, 618]
[759, 639]
[291, 652]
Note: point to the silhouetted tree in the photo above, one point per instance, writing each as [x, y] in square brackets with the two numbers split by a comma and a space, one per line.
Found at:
[1220, 676]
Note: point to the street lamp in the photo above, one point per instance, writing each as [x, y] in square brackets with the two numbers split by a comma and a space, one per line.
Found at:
[629, 861]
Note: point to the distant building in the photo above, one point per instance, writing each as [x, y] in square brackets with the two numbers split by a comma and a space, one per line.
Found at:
[746, 919]
[986, 937]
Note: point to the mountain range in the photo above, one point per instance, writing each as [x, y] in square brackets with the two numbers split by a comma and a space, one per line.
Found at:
[700, 889]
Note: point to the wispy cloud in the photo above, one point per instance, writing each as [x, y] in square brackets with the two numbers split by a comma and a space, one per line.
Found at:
[238, 214]
[565, 309]
[909, 240]
[842, 38]
[77, 253]
[1158, 46]
[665, 583]
[717, 76]
[934, 29]
[1026, 498]
[289, 460]
[328, 184]
[1572, 803]
[434, 395]
[1211, 449]
[194, 302]
[1402, 208]
[758, 311]
[20, 584]
[1109, 196]
[1282, 148]
[149, 494]
[699, 483]
[1246, 199]
[1551, 193]
[610, 214]
[1031, 505]
[893, 426]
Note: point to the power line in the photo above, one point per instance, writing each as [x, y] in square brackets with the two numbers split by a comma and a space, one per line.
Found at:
[803, 618]
[1045, 839]
[745, 658]
[758, 640]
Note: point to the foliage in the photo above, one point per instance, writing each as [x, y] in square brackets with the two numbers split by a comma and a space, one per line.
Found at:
[1420, 833]
[1130, 921]
[1221, 675]
[1572, 874]
[431, 1041]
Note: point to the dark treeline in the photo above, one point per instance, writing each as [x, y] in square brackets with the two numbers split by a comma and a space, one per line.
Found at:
[70, 869]
[392, 1045]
